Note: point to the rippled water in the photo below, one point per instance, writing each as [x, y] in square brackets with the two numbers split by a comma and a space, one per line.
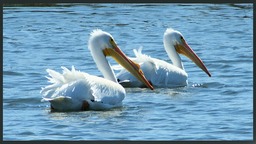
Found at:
[209, 108]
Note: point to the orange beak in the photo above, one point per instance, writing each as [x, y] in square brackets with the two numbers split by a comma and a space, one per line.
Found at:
[185, 49]
[128, 64]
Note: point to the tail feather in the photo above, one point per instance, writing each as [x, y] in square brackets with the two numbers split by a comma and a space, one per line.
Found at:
[57, 80]
[55, 76]
[140, 57]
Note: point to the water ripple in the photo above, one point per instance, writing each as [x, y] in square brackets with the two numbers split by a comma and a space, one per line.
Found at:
[12, 73]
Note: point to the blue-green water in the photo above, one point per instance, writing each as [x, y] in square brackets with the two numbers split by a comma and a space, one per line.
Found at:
[209, 108]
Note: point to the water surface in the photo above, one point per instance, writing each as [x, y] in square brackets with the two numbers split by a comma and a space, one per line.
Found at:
[209, 108]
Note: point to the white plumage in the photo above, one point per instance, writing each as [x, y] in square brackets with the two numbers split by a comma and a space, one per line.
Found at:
[70, 89]
[74, 90]
[159, 72]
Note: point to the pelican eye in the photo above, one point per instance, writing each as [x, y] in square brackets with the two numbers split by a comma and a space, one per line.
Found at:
[112, 42]
[181, 37]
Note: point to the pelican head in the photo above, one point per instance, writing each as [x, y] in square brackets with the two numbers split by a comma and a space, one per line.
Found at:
[101, 45]
[174, 40]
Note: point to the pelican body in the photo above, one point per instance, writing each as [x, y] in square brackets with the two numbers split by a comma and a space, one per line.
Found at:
[74, 90]
[161, 73]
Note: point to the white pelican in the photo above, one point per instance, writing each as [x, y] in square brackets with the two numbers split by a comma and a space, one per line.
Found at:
[159, 72]
[74, 90]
